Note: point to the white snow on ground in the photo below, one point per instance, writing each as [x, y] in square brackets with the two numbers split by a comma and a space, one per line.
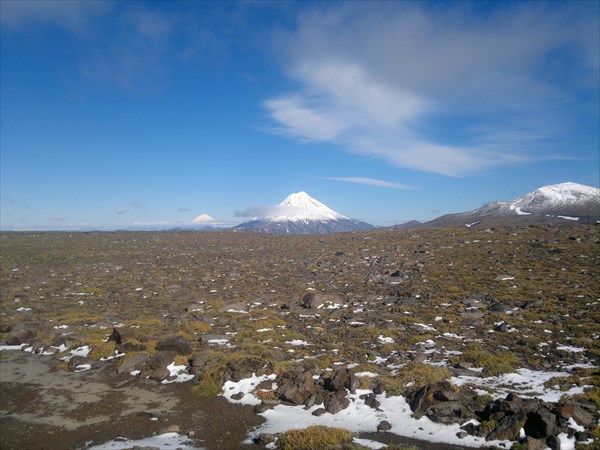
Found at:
[369, 443]
[568, 217]
[527, 383]
[12, 347]
[426, 327]
[519, 211]
[566, 443]
[297, 342]
[79, 351]
[385, 340]
[360, 417]
[179, 372]
[162, 441]
[453, 336]
[245, 386]
[82, 367]
[366, 374]
[568, 348]
[219, 342]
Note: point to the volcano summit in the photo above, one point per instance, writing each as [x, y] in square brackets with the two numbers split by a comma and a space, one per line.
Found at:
[299, 213]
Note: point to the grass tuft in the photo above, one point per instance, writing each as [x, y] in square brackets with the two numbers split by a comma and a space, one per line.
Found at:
[316, 437]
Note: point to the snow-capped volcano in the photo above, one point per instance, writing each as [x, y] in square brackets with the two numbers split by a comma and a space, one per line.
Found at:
[299, 213]
[302, 207]
[557, 202]
[204, 219]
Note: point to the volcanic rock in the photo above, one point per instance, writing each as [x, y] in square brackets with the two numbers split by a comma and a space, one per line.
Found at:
[314, 300]
[296, 388]
[21, 333]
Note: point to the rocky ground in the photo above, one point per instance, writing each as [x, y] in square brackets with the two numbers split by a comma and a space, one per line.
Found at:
[492, 330]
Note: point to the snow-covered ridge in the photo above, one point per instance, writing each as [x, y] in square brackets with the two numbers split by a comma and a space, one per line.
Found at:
[551, 196]
[302, 207]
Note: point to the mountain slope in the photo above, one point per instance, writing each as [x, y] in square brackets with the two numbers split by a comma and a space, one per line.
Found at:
[557, 203]
[299, 213]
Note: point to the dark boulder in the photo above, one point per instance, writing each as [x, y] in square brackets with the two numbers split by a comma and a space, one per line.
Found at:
[134, 362]
[156, 368]
[371, 401]
[342, 379]
[21, 333]
[508, 428]
[296, 388]
[534, 444]
[336, 402]
[540, 423]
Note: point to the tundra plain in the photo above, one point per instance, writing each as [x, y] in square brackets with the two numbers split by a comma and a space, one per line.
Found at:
[463, 323]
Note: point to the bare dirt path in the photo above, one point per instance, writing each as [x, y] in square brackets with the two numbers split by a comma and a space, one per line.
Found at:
[45, 408]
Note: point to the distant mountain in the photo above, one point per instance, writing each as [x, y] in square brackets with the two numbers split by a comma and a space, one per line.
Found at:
[557, 203]
[299, 213]
[203, 219]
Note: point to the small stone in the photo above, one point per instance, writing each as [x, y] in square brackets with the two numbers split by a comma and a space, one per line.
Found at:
[319, 412]
[191, 434]
[513, 397]
[266, 385]
[266, 438]
[259, 409]
[372, 402]
[384, 425]
[238, 396]
[462, 434]
[534, 444]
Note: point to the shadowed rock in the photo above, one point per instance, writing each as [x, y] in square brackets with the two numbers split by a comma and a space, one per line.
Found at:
[296, 388]
[21, 333]
[156, 369]
[313, 300]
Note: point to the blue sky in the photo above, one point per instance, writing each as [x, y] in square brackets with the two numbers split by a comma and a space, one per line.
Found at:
[119, 114]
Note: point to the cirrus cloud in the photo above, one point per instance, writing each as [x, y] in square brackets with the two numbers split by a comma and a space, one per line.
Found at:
[370, 182]
[448, 90]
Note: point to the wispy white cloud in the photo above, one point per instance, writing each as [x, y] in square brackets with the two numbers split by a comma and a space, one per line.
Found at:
[72, 15]
[370, 182]
[134, 46]
[383, 82]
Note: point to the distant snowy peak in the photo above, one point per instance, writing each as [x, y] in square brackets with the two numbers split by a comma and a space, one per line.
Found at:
[302, 207]
[556, 196]
[299, 213]
[203, 219]
[554, 203]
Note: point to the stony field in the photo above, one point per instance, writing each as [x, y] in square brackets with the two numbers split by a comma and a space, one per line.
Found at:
[466, 337]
